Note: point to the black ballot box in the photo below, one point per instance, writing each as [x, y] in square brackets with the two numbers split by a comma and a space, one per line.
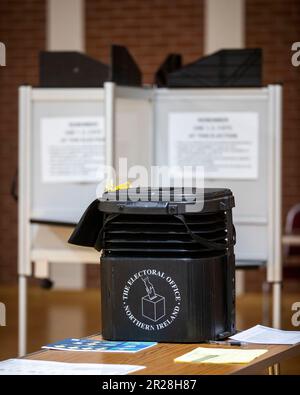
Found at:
[167, 272]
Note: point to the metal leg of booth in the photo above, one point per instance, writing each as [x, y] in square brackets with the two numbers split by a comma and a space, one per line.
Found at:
[274, 370]
[266, 303]
[271, 370]
[22, 315]
[277, 304]
[277, 369]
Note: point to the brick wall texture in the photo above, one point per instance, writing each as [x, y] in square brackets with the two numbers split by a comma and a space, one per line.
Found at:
[22, 30]
[150, 29]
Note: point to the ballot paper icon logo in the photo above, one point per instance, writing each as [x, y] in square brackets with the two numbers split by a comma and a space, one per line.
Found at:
[153, 305]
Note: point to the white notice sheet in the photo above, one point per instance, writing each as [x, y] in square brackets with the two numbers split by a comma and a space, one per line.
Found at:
[34, 367]
[72, 149]
[265, 335]
[224, 143]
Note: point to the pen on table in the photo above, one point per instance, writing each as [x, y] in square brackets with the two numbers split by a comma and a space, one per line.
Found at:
[227, 343]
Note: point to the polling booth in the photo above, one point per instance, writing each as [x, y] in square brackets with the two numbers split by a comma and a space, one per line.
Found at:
[235, 134]
[68, 133]
[67, 136]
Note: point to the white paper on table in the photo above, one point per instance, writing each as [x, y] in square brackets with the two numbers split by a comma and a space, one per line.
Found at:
[34, 367]
[265, 335]
[224, 143]
[73, 149]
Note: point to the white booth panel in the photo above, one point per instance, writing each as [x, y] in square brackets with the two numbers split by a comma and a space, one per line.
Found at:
[253, 247]
[133, 127]
[175, 128]
[64, 200]
[186, 101]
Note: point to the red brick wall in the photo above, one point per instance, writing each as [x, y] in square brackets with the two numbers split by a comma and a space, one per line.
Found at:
[274, 25]
[22, 30]
[150, 29]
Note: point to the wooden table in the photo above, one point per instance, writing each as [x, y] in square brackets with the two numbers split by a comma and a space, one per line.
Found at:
[159, 359]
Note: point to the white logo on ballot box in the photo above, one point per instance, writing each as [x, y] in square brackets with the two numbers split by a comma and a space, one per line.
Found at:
[151, 299]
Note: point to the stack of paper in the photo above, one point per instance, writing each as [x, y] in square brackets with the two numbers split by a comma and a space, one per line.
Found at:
[220, 355]
[265, 335]
[74, 344]
[33, 367]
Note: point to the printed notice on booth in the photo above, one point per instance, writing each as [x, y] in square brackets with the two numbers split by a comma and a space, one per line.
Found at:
[72, 149]
[224, 143]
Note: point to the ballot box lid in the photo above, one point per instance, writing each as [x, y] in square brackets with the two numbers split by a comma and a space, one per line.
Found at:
[166, 200]
[211, 206]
